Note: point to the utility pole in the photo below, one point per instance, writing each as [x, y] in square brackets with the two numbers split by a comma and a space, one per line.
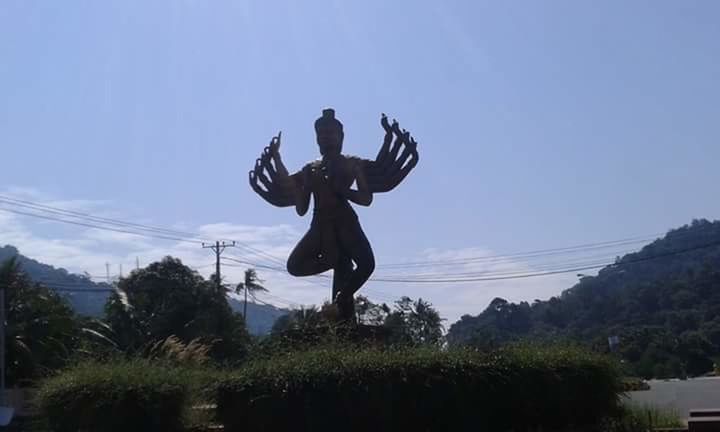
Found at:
[107, 272]
[218, 248]
[245, 305]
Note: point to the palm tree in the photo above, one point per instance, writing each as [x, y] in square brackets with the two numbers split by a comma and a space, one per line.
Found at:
[252, 284]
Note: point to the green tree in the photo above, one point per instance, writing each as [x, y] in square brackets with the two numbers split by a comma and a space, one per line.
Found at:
[415, 323]
[167, 299]
[370, 313]
[306, 320]
[42, 331]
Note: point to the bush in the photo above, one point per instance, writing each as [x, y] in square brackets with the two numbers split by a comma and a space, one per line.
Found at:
[514, 389]
[134, 395]
[633, 418]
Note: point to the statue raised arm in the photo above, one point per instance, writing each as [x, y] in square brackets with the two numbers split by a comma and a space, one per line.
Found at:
[391, 165]
[271, 180]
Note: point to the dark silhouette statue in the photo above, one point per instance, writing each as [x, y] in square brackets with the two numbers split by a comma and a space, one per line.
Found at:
[335, 239]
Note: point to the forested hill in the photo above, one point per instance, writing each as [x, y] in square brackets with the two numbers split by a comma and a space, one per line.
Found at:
[88, 297]
[663, 302]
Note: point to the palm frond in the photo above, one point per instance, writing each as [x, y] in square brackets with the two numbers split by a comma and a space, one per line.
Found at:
[99, 336]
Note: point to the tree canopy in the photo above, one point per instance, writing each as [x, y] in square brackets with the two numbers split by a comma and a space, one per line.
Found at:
[167, 298]
[663, 303]
[42, 331]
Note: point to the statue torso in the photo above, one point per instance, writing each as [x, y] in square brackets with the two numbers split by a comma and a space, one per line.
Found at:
[326, 179]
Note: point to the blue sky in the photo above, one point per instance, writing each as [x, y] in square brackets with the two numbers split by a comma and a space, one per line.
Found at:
[540, 124]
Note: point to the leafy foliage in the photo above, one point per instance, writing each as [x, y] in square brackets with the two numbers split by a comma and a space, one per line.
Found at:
[168, 299]
[420, 389]
[370, 313]
[415, 323]
[409, 323]
[42, 330]
[134, 395]
[663, 302]
[635, 418]
[523, 388]
[88, 298]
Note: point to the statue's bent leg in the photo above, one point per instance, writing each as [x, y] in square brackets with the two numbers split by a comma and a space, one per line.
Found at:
[306, 259]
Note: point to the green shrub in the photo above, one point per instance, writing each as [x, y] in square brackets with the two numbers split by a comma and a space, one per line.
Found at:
[633, 418]
[425, 390]
[131, 395]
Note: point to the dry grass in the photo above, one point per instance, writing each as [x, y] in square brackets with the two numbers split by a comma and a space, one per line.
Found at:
[174, 350]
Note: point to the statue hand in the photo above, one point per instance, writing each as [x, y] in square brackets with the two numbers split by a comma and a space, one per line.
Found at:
[270, 179]
[274, 146]
[385, 124]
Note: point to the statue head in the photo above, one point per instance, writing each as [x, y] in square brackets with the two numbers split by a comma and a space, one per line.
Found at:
[329, 132]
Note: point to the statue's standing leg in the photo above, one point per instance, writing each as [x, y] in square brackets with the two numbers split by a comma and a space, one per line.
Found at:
[342, 271]
[355, 248]
[341, 275]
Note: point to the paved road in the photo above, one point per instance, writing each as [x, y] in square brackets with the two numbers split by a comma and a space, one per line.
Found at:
[681, 395]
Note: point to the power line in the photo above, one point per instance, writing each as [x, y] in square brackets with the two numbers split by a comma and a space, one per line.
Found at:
[175, 235]
[282, 300]
[89, 225]
[93, 218]
[257, 300]
[547, 273]
[373, 293]
[410, 278]
[251, 264]
[273, 268]
[67, 284]
[61, 288]
[524, 255]
[548, 269]
[82, 290]
[92, 221]
[585, 261]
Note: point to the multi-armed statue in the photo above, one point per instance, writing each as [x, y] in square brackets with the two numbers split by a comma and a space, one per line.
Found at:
[335, 239]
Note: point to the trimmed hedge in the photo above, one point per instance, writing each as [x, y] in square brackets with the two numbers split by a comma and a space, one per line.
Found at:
[342, 388]
[135, 395]
[515, 389]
